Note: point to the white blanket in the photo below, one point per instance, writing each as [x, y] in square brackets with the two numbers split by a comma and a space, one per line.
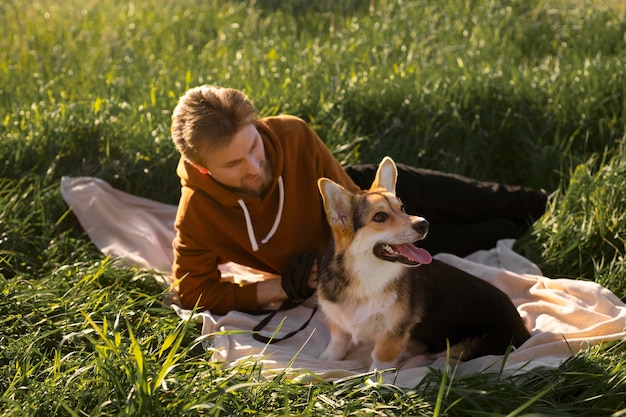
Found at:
[563, 315]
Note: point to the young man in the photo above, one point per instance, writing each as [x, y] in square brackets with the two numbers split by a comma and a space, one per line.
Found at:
[249, 196]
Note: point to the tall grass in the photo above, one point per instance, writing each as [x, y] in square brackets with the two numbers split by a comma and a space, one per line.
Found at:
[507, 90]
[583, 234]
[496, 90]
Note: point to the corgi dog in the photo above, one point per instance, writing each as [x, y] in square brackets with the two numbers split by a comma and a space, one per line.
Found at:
[376, 286]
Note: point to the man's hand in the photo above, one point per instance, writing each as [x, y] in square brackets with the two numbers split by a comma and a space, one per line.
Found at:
[270, 291]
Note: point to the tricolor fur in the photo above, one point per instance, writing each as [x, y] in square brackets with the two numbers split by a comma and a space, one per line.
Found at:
[371, 288]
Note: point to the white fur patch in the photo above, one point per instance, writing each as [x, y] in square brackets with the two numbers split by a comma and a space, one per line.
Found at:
[371, 273]
[363, 321]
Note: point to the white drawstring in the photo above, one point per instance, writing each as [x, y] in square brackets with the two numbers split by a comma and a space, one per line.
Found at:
[279, 215]
[255, 246]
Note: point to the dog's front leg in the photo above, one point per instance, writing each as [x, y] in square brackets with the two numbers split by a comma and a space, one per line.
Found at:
[387, 351]
[338, 346]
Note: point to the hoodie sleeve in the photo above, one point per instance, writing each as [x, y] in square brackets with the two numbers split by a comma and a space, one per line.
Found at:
[196, 269]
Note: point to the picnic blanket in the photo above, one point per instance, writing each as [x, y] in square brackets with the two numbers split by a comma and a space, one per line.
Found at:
[563, 315]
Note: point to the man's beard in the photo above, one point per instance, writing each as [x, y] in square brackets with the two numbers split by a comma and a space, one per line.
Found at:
[257, 190]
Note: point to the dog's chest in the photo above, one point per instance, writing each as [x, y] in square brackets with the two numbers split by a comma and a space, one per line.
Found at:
[365, 319]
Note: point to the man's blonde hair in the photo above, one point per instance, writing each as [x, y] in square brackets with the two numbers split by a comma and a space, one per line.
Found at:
[206, 118]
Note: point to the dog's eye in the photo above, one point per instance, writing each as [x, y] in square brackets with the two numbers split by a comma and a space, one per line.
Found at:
[402, 208]
[380, 217]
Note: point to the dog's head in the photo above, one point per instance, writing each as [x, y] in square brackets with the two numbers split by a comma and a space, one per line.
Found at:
[374, 221]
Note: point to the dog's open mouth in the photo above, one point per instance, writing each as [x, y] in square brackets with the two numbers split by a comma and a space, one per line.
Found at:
[406, 254]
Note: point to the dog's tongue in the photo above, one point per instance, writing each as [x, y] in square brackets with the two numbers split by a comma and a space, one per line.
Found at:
[415, 254]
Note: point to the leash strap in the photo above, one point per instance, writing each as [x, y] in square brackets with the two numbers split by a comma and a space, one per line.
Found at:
[295, 277]
[271, 340]
[295, 284]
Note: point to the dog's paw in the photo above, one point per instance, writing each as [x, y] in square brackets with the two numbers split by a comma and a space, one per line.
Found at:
[382, 366]
[332, 353]
[385, 362]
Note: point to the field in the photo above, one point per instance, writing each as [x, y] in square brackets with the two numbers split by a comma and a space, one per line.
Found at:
[518, 91]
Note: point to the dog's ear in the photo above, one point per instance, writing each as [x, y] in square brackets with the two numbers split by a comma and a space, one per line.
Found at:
[337, 203]
[386, 176]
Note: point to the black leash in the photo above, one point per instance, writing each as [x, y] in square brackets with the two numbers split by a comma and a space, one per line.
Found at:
[271, 340]
[294, 281]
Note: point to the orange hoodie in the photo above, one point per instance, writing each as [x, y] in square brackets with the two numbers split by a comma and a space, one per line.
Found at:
[215, 225]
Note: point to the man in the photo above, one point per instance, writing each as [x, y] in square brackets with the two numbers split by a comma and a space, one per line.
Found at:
[249, 196]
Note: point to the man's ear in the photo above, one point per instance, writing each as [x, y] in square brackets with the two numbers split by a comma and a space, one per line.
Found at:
[337, 203]
[198, 167]
[386, 176]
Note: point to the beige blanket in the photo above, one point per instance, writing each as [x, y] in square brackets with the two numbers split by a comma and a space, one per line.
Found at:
[563, 315]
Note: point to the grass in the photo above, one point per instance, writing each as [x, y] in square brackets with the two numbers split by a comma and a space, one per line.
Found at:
[508, 90]
[582, 235]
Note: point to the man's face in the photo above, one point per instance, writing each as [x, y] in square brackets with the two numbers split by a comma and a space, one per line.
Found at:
[241, 165]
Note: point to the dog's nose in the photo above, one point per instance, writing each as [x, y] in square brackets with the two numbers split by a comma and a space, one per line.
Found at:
[420, 225]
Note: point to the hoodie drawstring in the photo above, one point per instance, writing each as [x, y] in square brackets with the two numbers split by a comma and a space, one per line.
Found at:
[279, 215]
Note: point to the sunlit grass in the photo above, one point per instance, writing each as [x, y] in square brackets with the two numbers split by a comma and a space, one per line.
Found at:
[515, 91]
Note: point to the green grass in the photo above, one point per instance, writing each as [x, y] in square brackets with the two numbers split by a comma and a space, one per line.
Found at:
[530, 92]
